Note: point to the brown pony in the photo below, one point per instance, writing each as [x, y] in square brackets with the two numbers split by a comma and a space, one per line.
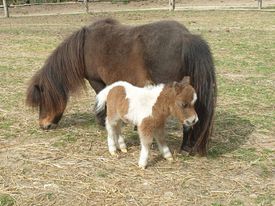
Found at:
[147, 108]
[107, 51]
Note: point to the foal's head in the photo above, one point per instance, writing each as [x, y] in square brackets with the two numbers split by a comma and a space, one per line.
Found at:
[185, 99]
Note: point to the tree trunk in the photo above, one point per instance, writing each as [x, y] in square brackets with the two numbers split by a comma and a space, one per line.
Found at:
[6, 9]
[86, 6]
[172, 4]
[260, 4]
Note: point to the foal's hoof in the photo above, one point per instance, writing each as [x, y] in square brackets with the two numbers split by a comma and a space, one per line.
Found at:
[170, 159]
[124, 150]
[142, 167]
[114, 154]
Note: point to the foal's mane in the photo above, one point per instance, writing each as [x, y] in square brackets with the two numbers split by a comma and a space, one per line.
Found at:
[63, 72]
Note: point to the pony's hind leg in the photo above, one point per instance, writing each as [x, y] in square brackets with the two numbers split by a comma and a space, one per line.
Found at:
[164, 149]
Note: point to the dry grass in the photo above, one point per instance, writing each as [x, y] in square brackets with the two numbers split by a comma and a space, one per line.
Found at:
[71, 165]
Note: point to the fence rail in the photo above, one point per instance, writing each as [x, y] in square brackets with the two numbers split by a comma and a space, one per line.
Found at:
[83, 5]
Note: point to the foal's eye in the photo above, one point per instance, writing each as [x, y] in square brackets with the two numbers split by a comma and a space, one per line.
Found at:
[184, 105]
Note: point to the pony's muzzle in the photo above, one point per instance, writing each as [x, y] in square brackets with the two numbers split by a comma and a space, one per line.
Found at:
[48, 126]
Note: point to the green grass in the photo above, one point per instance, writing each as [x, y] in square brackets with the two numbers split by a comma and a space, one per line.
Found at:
[66, 139]
[265, 200]
[6, 200]
[236, 203]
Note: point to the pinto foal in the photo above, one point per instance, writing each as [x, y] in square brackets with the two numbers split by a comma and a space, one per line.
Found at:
[148, 108]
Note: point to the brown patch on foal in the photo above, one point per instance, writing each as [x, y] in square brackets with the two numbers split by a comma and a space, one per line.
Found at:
[117, 104]
[175, 99]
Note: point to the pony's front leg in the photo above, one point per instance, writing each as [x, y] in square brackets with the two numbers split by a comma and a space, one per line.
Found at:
[146, 142]
[164, 149]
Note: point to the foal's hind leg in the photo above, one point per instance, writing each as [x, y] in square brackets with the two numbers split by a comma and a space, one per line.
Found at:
[112, 130]
[115, 140]
[120, 143]
[164, 149]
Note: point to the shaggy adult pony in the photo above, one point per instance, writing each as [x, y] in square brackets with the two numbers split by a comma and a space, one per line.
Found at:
[107, 51]
[147, 108]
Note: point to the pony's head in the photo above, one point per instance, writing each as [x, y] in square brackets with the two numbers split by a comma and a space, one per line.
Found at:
[185, 99]
[50, 98]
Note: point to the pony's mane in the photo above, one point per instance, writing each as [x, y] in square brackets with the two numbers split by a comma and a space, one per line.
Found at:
[63, 72]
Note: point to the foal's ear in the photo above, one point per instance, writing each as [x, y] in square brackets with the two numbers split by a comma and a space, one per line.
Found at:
[185, 80]
[177, 87]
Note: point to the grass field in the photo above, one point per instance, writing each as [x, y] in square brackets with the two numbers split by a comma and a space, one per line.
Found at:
[71, 165]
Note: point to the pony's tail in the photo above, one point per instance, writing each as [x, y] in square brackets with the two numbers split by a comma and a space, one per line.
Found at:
[200, 67]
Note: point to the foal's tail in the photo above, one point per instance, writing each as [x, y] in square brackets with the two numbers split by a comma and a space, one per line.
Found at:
[200, 67]
[101, 97]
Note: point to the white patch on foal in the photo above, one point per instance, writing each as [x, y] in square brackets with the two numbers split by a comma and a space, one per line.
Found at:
[193, 119]
[195, 97]
[141, 102]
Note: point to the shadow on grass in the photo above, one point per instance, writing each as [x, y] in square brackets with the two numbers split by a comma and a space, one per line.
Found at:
[83, 119]
[230, 132]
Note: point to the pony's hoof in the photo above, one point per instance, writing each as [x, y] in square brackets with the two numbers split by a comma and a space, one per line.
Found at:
[124, 150]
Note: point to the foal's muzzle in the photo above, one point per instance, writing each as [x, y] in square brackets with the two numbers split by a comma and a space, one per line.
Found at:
[190, 122]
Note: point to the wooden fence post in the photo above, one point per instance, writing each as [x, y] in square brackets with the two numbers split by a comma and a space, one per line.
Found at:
[6, 9]
[86, 6]
[260, 4]
[172, 4]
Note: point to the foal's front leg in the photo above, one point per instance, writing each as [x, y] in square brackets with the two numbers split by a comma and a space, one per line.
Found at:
[146, 142]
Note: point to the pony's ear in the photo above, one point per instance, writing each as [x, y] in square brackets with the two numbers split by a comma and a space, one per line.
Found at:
[185, 80]
[33, 95]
